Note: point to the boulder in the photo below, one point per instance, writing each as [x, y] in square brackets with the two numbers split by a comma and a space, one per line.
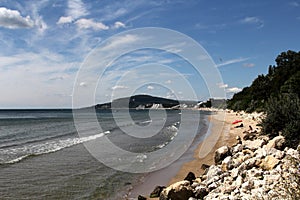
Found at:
[200, 192]
[213, 171]
[255, 144]
[269, 162]
[177, 191]
[277, 143]
[190, 177]
[227, 164]
[237, 148]
[221, 153]
[156, 192]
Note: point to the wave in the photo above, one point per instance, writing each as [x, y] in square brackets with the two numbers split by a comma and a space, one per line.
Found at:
[18, 154]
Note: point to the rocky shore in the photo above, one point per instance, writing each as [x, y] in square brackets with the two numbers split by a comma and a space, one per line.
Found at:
[254, 167]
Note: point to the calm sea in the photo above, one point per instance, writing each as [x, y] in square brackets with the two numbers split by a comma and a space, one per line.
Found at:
[43, 157]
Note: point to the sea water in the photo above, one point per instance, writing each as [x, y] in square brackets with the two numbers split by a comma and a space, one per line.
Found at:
[43, 157]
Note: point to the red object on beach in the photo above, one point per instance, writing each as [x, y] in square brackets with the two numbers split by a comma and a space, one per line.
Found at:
[237, 121]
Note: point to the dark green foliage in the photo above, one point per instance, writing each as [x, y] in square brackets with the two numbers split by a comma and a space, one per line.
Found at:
[283, 78]
[283, 115]
[277, 94]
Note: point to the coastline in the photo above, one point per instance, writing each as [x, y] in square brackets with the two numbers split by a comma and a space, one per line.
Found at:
[220, 132]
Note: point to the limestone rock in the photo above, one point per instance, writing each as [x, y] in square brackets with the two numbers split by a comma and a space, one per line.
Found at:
[213, 171]
[221, 153]
[255, 144]
[200, 192]
[277, 143]
[227, 164]
[269, 162]
[190, 177]
[177, 191]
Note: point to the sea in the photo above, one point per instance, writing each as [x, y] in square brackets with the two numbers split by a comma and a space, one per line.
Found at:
[42, 155]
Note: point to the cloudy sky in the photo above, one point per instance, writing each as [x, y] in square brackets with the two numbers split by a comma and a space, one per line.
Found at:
[45, 43]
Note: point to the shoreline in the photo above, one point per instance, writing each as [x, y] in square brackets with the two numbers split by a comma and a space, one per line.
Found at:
[220, 132]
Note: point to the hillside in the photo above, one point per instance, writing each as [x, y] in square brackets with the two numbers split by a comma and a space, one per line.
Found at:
[143, 101]
[284, 77]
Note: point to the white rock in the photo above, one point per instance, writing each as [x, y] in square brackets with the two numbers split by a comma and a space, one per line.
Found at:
[237, 148]
[221, 153]
[213, 171]
[253, 145]
[234, 172]
[292, 152]
[276, 142]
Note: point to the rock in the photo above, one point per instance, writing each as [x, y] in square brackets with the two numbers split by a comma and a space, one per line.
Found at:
[234, 172]
[277, 153]
[249, 136]
[277, 143]
[238, 139]
[221, 153]
[140, 197]
[156, 192]
[261, 153]
[205, 166]
[269, 162]
[190, 177]
[212, 186]
[200, 192]
[177, 191]
[292, 152]
[237, 148]
[213, 171]
[238, 182]
[253, 145]
[227, 164]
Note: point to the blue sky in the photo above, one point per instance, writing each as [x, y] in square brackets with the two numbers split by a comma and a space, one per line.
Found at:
[44, 43]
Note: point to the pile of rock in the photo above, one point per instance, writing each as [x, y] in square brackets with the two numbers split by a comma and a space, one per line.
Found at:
[250, 169]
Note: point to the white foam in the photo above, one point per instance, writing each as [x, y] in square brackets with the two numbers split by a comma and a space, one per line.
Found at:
[47, 147]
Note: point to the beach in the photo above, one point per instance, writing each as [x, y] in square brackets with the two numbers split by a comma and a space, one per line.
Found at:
[220, 132]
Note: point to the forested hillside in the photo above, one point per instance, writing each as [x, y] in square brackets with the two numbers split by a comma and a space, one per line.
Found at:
[284, 77]
[277, 94]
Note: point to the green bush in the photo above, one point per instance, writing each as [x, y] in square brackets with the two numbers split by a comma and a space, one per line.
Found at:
[283, 116]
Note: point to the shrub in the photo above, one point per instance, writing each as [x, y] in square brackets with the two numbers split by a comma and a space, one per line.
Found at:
[283, 116]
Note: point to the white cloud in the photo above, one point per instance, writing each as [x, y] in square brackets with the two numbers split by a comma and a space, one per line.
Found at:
[40, 24]
[90, 24]
[168, 82]
[119, 87]
[76, 9]
[12, 19]
[232, 61]
[253, 20]
[83, 84]
[222, 85]
[64, 20]
[37, 79]
[150, 87]
[233, 90]
[119, 24]
[121, 40]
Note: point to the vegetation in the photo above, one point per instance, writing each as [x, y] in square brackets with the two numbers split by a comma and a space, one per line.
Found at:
[278, 95]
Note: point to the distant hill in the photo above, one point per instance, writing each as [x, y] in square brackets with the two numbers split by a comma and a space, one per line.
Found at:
[143, 101]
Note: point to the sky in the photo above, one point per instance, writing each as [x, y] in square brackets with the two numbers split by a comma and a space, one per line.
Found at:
[46, 46]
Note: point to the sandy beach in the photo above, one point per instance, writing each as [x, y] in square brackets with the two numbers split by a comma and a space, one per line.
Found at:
[221, 132]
